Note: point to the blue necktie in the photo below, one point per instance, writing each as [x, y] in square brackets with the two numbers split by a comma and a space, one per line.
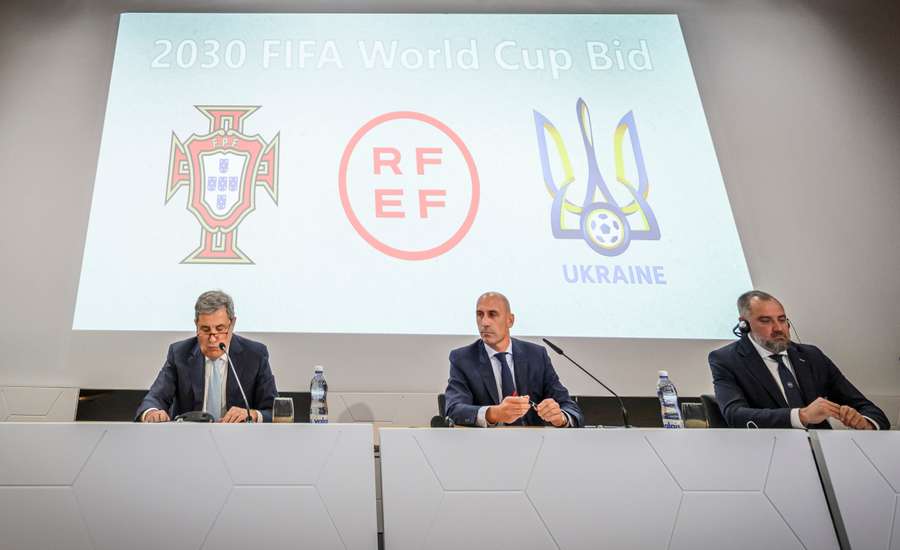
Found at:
[789, 383]
[214, 395]
[506, 379]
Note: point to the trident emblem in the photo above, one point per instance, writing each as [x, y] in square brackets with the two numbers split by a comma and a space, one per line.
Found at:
[221, 170]
[602, 221]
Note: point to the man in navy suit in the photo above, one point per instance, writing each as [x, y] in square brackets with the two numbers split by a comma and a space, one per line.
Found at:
[767, 381]
[494, 380]
[197, 377]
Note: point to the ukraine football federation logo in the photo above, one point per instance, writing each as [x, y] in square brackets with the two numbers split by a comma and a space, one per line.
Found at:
[221, 170]
[602, 222]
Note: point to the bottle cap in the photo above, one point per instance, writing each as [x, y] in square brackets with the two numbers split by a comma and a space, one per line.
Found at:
[663, 374]
[319, 368]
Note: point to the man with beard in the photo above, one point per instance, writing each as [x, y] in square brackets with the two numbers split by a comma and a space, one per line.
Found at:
[766, 381]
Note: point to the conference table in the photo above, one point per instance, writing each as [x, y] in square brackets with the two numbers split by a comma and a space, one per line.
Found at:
[861, 475]
[574, 489]
[186, 486]
[180, 486]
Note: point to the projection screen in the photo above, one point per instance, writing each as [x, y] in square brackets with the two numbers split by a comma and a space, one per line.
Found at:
[403, 164]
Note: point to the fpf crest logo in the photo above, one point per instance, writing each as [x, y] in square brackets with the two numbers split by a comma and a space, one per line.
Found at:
[602, 222]
[221, 170]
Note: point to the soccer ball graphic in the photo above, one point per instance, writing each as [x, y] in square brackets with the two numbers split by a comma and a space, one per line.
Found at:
[605, 229]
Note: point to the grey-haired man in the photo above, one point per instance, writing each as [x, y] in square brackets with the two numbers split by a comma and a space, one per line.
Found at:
[196, 375]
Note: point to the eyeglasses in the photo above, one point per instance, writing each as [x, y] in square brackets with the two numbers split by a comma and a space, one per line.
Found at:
[218, 332]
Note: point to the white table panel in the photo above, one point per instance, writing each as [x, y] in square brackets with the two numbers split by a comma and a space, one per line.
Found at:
[494, 519]
[610, 488]
[45, 454]
[702, 463]
[862, 469]
[411, 471]
[289, 517]
[257, 457]
[41, 518]
[458, 469]
[186, 486]
[746, 520]
[575, 467]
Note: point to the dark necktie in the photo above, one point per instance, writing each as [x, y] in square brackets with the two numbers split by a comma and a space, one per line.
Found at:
[506, 379]
[789, 383]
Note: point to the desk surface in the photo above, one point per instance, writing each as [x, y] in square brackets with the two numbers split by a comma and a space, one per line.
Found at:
[862, 473]
[545, 488]
[186, 486]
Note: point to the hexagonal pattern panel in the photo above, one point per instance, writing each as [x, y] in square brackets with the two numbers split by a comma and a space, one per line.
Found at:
[143, 477]
[495, 519]
[58, 522]
[504, 464]
[169, 486]
[792, 467]
[702, 463]
[862, 468]
[624, 489]
[308, 452]
[403, 465]
[37, 404]
[31, 401]
[277, 526]
[45, 454]
[746, 520]
[568, 474]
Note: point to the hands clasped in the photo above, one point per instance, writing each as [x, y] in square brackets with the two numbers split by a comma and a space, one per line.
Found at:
[822, 409]
[513, 408]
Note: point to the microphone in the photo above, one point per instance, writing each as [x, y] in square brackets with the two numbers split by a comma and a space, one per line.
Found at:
[238, 380]
[559, 350]
[439, 421]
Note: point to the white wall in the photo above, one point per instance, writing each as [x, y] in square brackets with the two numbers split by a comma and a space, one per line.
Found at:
[801, 99]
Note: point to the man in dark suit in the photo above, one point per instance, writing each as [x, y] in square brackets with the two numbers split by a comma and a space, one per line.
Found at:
[767, 381]
[197, 377]
[494, 380]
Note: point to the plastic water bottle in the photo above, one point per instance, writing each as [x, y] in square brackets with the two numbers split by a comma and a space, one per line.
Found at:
[318, 404]
[668, 401]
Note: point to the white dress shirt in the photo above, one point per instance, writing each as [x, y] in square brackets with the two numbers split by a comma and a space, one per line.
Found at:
[773, 368]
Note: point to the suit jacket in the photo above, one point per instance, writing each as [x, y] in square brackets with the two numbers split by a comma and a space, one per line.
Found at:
[472, 384]
[180, 385]
[746, 389]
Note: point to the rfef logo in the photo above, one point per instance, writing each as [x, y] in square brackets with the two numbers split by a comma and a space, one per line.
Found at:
[602, 222]
[408, 185]
[221, 170]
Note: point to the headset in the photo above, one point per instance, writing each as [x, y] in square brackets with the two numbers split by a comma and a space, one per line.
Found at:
[743, 328]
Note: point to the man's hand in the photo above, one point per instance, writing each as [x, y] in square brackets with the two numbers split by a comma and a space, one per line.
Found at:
[156, 416]
[234, 415]
[851, 418]
[508, 411]
[818, 411]
[549, 411]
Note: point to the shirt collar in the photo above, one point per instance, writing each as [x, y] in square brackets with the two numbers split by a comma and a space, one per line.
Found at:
[492, 352]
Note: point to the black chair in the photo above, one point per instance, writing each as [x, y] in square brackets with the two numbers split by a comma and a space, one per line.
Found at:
[441, 405]
[713, 413]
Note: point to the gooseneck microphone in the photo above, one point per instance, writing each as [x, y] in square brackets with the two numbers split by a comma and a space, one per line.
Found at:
[238, 380]
[559, 350]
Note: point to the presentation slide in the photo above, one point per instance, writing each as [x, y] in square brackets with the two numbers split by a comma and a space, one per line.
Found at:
[376, 173]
